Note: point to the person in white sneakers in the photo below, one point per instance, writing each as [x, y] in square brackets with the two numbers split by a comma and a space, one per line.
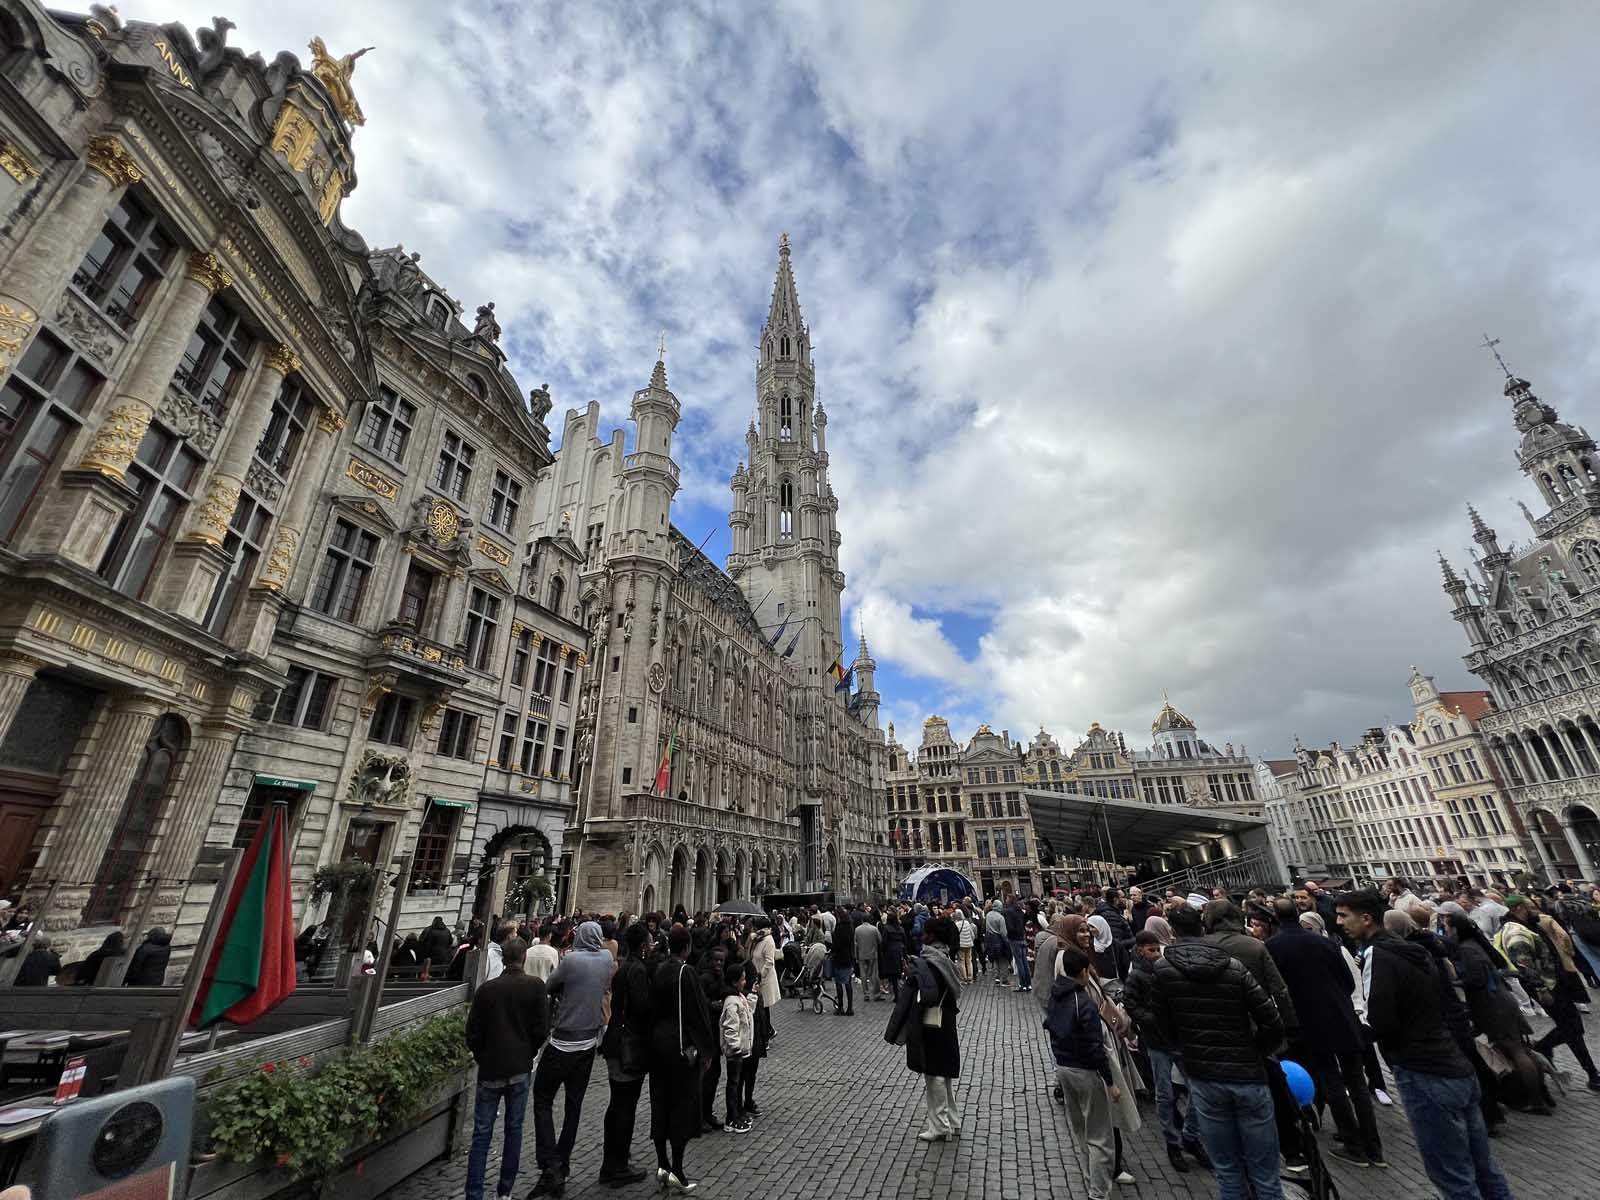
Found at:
[738, 1040]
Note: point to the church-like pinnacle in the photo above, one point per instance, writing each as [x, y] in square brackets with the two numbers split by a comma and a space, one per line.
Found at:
[1450, 577]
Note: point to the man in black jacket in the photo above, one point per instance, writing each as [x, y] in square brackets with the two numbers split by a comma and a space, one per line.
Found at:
[1110, 907]
[507, 1024]
[1136, 998]
[1329, 1042]
[1139, 909]
[1437, 1083]
[1208, 1005]
[1016, 941]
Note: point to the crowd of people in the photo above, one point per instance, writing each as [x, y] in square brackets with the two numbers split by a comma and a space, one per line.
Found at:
[1249, 1022]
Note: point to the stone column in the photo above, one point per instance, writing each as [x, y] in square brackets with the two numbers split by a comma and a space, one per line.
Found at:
[123, 427]
[1579, 854]
[304, 493]
[208, 522]
[16, 674]
[182, 830]
[57, 242]
[95, 495]
[90, 812]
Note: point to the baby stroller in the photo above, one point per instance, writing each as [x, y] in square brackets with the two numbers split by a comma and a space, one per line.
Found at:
[790, 970]
[808, 984]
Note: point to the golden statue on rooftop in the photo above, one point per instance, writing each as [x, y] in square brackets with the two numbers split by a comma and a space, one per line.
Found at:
[334, 73]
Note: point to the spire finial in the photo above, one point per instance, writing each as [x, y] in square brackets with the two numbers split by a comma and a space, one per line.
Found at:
[783, 243]
[1492, 345]
[661, 347]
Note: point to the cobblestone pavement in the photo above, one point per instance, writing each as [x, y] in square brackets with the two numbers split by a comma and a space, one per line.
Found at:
[840, 1114]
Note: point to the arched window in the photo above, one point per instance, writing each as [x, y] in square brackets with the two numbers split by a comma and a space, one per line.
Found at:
[477, 386]
[786, 508]
[1569, 479]
[130, 840]
[1586, 557]
[1516, 686]
[1557, 673]
[785, 415]
[555, 592]
[1588, 472]
[1552, 493]
[1576, 665]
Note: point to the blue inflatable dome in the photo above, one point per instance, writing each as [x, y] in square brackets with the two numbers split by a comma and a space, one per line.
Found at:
[936, 885]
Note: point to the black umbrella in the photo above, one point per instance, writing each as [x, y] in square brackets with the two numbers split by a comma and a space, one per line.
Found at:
[738, 908]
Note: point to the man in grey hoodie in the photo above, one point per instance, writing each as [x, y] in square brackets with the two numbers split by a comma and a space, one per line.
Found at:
[577, 990]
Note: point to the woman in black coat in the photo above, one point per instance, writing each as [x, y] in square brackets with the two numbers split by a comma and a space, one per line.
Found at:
[891, 953]
[115, 946]
[925, 1020]
[678, 1023]
[436, 947]
[843, 956]
[148, 968]
[715, 987]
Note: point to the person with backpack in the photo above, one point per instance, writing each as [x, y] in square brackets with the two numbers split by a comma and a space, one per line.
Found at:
[1527, 943]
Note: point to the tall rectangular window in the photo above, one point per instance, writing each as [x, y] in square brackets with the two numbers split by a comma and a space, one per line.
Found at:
[391, 720]
[520, 655]
[162, 473]
[292, 410]
[569, 675]
[531, 758]
[304, 701]
[124, 263]
[1019, 843]
[346, 568]
[414, 596]
[41, 405]
[558, 752]
[544, 671]
[430, 860]
[508, 740]
[483, 618]
[458, 734]
[504, 500]
[214, 361]
[453, 472]
[386, 425]
[247, 535]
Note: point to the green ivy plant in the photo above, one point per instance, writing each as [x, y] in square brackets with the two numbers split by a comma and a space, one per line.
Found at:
[306, 1121]
[331, 877]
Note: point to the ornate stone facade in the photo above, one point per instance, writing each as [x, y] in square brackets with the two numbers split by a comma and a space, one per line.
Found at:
[264, 503]
[1530, 615]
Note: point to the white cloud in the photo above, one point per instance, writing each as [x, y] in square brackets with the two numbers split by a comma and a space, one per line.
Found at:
[1147, 336]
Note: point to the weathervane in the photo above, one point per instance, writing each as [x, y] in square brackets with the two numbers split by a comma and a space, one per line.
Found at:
[1492, 345]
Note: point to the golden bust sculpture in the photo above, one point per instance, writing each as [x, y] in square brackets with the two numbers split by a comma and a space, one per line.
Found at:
[334, 73]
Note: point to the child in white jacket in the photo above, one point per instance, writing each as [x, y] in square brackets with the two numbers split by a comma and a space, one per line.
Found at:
[738, 1040]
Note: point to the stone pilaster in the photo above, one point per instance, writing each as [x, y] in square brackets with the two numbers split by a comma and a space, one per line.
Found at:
[57, 242]
[96, 494]
[123, 427]
[304, 493]
[16, 673]
[1580, 855]
[198, 561]
[86, 816]
[208, 521]
[183, 828]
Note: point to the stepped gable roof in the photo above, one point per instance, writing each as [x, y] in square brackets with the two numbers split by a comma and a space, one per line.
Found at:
[695, 567]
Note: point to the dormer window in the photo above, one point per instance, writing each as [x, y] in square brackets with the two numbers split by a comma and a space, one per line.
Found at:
[478, 387]
[437, 312]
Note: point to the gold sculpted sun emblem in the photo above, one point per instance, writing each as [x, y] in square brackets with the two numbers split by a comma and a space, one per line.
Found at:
[443, 522]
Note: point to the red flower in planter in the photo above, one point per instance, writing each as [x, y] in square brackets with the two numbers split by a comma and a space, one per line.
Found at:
[283, 1160]
[268, 1068]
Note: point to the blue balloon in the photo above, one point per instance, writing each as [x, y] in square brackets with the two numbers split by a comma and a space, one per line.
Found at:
[1301, 1085]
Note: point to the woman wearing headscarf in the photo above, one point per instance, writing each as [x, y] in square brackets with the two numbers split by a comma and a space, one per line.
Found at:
[1105, 952]
[681, 1042]
[924, 1021]
[1162, 928]
[1080, 932]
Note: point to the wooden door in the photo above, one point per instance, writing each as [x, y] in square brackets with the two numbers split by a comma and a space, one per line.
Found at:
[19, 822]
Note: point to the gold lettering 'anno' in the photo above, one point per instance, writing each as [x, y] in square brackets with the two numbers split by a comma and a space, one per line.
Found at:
[173, 65]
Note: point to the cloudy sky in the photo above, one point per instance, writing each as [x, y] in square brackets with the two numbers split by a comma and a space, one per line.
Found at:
[1148, 339]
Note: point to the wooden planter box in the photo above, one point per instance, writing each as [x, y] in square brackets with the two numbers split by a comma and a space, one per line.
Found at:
[368, 1171]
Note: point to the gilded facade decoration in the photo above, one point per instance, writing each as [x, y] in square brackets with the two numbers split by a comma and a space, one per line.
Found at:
[282, 360]
[334, 74]
[372, 479]
[15, 163]
[332, 191]
[16, 327]
[204, 269]
[86, 329]
[495, 551]
[110, 157]
[330, 419]
[380, 779]
[293, 136]
[443, 522]
[117, 440]
[280, 560]
[211, 521]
